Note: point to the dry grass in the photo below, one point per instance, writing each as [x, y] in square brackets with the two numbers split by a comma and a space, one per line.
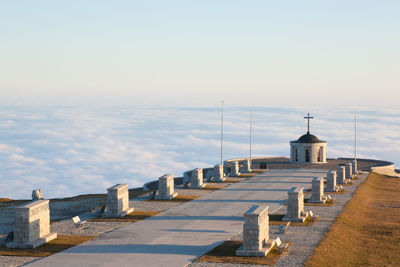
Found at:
[184, 198]
[178, 198]
[258, 170]
[62, 242]
[134, 216]
[247, 175]
[225, 253]
[80, 197]
[326, 204]
[348, 184]
[229, 180]
[2, 200]
[213, 187]
[367, 232]
[276, 219]
[338, 192]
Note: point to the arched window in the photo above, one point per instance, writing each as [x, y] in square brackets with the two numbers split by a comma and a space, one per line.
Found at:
[307, 155]
[321, 154]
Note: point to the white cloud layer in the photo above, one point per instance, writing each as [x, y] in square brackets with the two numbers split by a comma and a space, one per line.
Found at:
[69, 151]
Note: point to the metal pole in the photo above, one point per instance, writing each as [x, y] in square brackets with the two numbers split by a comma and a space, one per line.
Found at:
[355, 135]
[251, 122]
[222, 127]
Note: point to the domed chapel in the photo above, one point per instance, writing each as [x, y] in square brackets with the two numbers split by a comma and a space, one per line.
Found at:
[308, 148]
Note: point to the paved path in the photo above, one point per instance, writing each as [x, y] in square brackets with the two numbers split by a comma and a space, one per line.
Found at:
[181, 234]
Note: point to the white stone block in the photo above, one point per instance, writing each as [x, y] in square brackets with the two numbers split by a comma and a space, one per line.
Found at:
[218, 173]
[354, 167]
[331, 185]
[256, 240]
[295, 205]
[317, 191]
[246, 166]
[166, 187]
[117, 201]
[32, 225]
[37, 194]
[349, 171]
[234, 168]
[341, 174]
[196, 178]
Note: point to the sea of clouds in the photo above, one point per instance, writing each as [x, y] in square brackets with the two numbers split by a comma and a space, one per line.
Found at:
[68, 151]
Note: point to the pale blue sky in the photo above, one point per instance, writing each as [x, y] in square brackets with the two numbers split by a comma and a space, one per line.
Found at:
[264, 53]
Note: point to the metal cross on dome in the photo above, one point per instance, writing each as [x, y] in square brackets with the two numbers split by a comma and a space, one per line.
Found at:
[308, 122]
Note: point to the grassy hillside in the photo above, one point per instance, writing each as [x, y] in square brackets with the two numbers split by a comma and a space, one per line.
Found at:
[367, 232]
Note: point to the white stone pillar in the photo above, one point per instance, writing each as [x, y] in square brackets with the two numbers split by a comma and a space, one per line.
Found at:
[331, 182]
[234, 168]
[256, 240]
[196, 179]
[341, 178]
[349, 171]
[295, 205]
[32, 225]
[37, 194]
[354, 167]
[317, 191]
[247, 166]
[117, 201]
[166, 187]
[218, 173]
[187, 177]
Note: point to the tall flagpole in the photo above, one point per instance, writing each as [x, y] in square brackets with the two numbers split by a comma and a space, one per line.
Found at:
[251, 122]
[355, 135]
[222, 127]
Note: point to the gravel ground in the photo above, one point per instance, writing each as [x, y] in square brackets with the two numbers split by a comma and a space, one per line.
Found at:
[67, 227]
[10, 261]
[303, 238]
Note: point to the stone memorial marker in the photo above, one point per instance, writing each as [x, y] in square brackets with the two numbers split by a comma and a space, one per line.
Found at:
[349, 171]
[331, 182]
[196, 178]
[117, 201]
[166, 187]
[247, 166]
[37, 194]
[317, 191]
[295, 206]
[256, 240]
[32, 225]
[218, 173]
[234, 168]
[186, 177]
[354, 167]
[341, 178]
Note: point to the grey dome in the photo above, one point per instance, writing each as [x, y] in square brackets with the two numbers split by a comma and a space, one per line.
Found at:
[308, 138]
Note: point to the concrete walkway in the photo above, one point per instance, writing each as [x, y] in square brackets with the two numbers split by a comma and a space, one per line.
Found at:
[181, 234]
